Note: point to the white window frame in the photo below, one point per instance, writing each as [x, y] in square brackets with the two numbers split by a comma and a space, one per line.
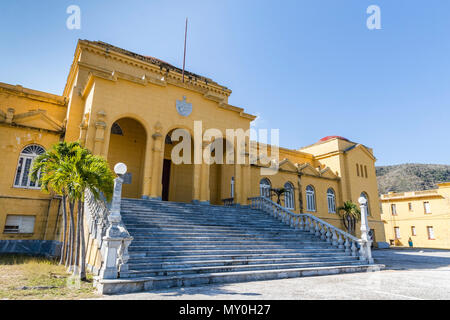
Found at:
[24, 224]
[264, 188]
[331, 200]
[29, 153]
[427, 207]
[413, 231]
[310, 199]
[289, 196]
[397, 232]
[393, 209]
[430, 234]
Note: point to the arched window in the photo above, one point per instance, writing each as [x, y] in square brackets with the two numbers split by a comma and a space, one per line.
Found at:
[28, 154]
[331, 198]
[365, 196]
[264, 188]
[310, 198]
[232, 187]
[289, 196]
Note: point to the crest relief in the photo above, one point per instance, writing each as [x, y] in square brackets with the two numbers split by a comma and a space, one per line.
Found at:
[183, 107]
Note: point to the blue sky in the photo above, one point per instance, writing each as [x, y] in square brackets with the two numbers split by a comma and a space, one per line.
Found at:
[310, 68]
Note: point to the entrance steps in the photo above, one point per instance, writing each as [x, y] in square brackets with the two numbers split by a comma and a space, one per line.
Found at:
[180, 244]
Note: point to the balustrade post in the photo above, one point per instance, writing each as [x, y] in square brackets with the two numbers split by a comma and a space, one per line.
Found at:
[347, 246]
[322, 232]
[117, 238]
[328, 235]
[317, 233]
[340, 242]
[334, 239]
[366, 241]
[353, 248]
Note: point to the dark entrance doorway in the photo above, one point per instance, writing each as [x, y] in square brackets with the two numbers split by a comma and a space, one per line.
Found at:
[166, 179]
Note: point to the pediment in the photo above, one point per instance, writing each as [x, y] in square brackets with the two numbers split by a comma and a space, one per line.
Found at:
[328, 173]
[38, 119]
[308, 169]
[287, 164]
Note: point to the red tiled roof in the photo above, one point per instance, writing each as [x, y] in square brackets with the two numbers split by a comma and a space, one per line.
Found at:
[332, 137]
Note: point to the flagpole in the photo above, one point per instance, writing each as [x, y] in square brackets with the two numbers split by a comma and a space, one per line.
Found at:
[184, 56]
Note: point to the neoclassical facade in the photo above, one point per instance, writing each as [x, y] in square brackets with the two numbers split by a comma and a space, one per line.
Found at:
[128, 108]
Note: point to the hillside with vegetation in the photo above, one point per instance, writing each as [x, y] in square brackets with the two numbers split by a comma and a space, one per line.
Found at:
[411, 177]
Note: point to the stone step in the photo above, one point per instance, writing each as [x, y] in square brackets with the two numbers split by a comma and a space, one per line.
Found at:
[213, 247]
[223, 243]
[143, 257]
[231, 268]
[154, 283]
[220, 251]
[150, 264]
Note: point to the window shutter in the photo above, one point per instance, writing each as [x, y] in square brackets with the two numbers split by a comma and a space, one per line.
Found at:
[27, 224]
[13, 221]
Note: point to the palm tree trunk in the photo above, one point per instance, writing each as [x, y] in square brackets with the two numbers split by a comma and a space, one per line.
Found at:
[71, 235]
[82, 244]
[76, 263]
[64, 240]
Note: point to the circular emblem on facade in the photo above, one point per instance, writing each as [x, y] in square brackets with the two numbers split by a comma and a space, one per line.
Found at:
[183, 107]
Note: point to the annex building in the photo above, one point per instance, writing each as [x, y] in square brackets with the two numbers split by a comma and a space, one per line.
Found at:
[123, 106]
[420, 216]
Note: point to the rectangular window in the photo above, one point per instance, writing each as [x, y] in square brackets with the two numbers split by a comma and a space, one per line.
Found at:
[430, 233]
[397, 232]
[394, 209]
[426, 207]
[365, 171]
[410, 206]
[19, 224]
[413, 231]
[357, 170]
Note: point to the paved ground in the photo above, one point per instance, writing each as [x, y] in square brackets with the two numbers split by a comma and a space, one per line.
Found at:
[409, 274]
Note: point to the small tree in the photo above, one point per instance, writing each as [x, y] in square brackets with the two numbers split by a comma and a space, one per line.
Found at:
[350, 214]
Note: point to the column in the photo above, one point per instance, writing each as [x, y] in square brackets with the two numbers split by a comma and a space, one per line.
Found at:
[156, 174]
[99, 138]
[146, 188]
[238, 192]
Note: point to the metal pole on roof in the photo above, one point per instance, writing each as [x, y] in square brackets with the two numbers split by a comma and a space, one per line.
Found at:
[184, 56]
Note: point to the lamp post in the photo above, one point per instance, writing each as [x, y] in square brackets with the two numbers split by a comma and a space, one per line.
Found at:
[366, 242]
[117, 238]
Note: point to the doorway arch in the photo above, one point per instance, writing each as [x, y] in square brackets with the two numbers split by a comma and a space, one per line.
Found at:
[127, 144]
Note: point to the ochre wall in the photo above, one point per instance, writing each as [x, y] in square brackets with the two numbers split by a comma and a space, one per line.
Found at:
[439, 218]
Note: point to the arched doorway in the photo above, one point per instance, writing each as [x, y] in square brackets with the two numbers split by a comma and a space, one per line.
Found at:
[221, 173]
[127, 143]
[177, 173]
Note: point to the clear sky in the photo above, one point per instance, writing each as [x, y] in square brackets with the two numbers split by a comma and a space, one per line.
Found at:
[310, 68]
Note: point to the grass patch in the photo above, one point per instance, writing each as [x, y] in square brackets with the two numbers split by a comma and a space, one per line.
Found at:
[31, 277]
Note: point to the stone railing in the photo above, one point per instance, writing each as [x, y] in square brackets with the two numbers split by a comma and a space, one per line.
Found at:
[307, 222]
[104, 224]
[228, 202]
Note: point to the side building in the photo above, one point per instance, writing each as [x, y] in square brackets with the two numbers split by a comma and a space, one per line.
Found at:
[420, 216]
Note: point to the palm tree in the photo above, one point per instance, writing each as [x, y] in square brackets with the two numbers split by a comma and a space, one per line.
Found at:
[49, 166]
[278, 192]
[69, 169]
[350, 214]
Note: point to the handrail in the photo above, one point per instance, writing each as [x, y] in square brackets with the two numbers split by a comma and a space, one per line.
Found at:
[316, 226]
[228, 201]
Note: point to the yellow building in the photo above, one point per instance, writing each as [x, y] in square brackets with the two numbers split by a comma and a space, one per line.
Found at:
[123, 106]
[422, 216]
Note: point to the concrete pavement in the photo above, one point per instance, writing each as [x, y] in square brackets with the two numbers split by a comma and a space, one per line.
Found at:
[409, 274]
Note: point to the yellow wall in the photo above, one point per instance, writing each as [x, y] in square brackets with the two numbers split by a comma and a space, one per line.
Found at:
[439, 218]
